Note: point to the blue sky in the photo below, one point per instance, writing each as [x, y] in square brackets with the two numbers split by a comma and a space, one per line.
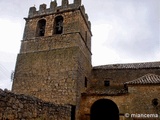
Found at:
[124, 31]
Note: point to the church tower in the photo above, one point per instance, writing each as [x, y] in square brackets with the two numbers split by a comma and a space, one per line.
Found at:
[54, 63]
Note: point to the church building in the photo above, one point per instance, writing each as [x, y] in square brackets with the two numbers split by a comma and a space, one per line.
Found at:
[55, 65]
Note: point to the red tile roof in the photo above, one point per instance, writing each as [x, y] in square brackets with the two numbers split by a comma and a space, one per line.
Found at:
[130, 66]
[107, 91]
[146, 79]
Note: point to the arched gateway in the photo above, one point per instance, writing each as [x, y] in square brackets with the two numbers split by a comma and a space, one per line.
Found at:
[104, 109]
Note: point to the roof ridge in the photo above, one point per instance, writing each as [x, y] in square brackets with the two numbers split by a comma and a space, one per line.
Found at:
[130, 65]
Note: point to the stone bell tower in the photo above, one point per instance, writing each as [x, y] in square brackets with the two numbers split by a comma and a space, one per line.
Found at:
[54, 63]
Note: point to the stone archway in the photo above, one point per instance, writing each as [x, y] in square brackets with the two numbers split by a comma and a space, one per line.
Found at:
[104, 109]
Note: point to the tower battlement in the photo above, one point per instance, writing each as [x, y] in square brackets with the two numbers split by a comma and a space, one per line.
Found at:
[65, 6]
[53, 8]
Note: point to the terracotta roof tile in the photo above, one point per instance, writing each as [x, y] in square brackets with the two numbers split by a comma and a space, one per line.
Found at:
[105, 91]
[130, 66]
[146, 79]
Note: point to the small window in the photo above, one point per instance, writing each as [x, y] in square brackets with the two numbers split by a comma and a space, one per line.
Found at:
[86, 82]
[73, 112]
[86, 36]
[41, 27]
[58, 25]
[155, 102]
[125, 87]
[106, 83]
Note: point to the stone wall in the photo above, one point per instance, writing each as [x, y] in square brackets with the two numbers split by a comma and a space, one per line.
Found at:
[137, 100]
[53, 67]
[22, 107]
[48, 75]
[118, 76]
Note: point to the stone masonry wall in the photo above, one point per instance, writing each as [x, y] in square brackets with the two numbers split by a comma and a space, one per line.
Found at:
[22, 107]
[48, 75]
[119, 76]
[54, 67]
[51, 67]
[137, 100]
[55, 42]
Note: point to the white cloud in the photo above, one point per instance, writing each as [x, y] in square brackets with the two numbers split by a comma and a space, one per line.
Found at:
[6, 84]
[10, 37]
